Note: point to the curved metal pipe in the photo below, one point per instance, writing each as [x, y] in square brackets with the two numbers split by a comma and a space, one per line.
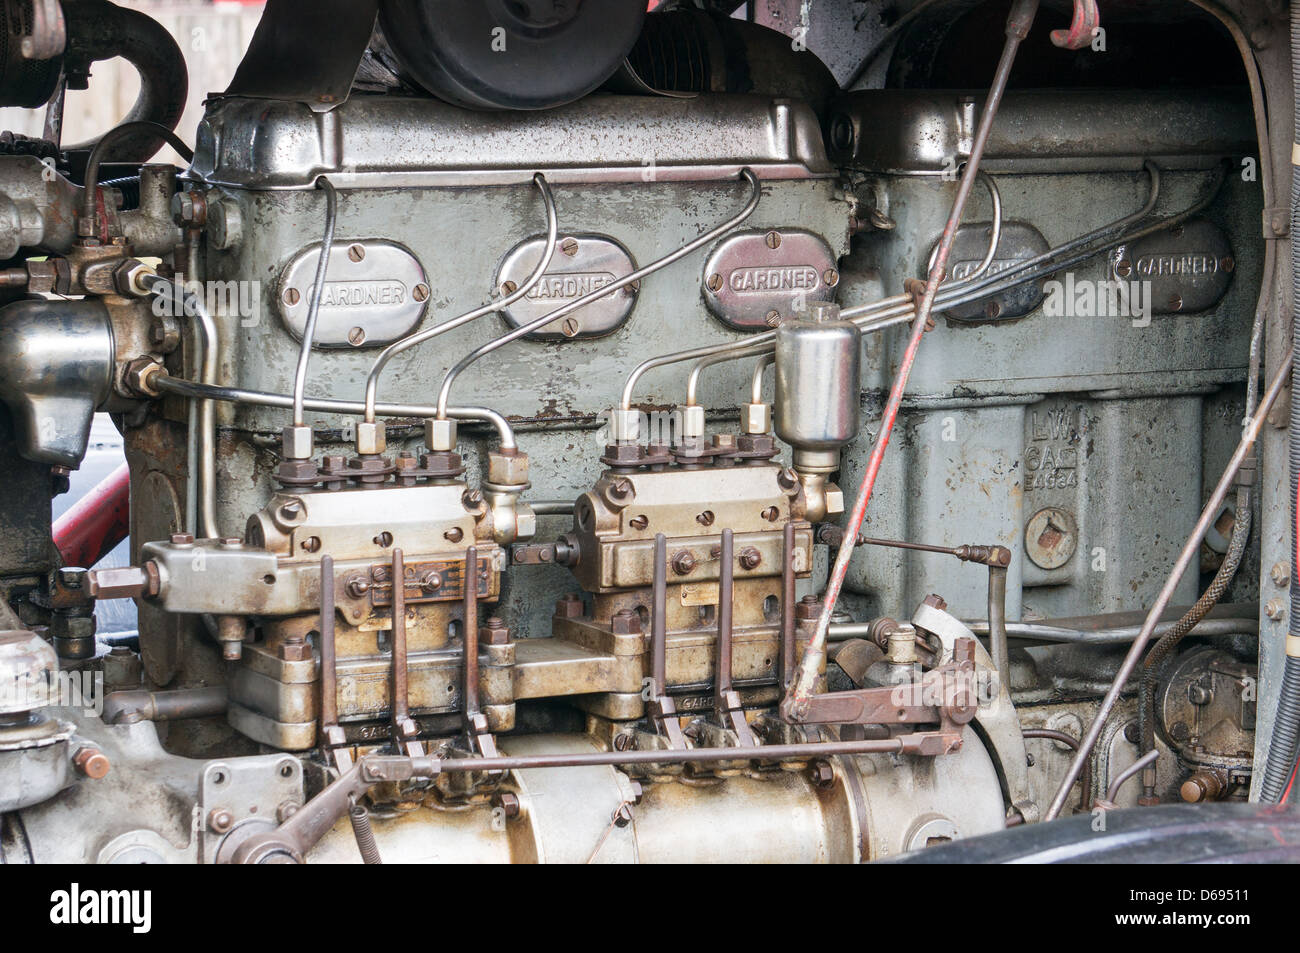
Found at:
[205, 346]
[1113, 791]
[90, 198]
[317, 290]
[235, 395]
[756, 384]
[539, 323]
[397, 347]
[693, 381]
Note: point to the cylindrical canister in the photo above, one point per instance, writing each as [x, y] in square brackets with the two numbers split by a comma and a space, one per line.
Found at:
[818, 379]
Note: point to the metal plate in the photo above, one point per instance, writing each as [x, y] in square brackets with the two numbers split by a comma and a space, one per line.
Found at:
[375, 292]
[1020, 241]
[755, 279]
[581, 264]
[1189, 267]
[264, 144]
[930, 132]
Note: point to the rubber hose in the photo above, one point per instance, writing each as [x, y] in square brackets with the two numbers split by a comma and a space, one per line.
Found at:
[1286, 723]
[98, 30]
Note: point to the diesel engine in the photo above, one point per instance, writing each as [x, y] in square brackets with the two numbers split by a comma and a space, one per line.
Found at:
[566, 432]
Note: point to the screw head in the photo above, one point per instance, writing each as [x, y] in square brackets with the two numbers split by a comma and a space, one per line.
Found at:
[357, 336]
[569, 246]
[773, 239]
[420, 292]
[715, 282]
[356, 252]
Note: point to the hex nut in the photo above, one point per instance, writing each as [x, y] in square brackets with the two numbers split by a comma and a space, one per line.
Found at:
[372, 437]
[692, 420]
[625, 622]
[440, 434]
[508, 469]
[494, 632]
[138, 377]
[295, 651]
[128, 278]
[297, 443]
[625, 425]
[525, 522]
[755, 418]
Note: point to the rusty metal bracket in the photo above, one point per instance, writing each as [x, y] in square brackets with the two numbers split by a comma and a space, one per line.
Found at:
[945, 696]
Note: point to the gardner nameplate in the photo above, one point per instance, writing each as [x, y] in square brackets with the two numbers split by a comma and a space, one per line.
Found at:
[754, 280]
[1187, 268]
[581, 264]
[1018, 243]
[375, 293]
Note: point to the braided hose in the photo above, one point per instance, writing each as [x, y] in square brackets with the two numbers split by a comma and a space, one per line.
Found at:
[1286, 724]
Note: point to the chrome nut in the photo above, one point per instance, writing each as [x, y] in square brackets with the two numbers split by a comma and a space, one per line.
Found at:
[625, 425]
[692, 421]
[755, 418]
[297, 443]
[525, 522]
[440, 434]
[508, 469]
[372, 438]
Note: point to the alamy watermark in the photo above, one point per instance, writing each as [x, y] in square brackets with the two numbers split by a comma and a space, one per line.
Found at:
[241, 299]
[81, 690]
[1088, 298]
